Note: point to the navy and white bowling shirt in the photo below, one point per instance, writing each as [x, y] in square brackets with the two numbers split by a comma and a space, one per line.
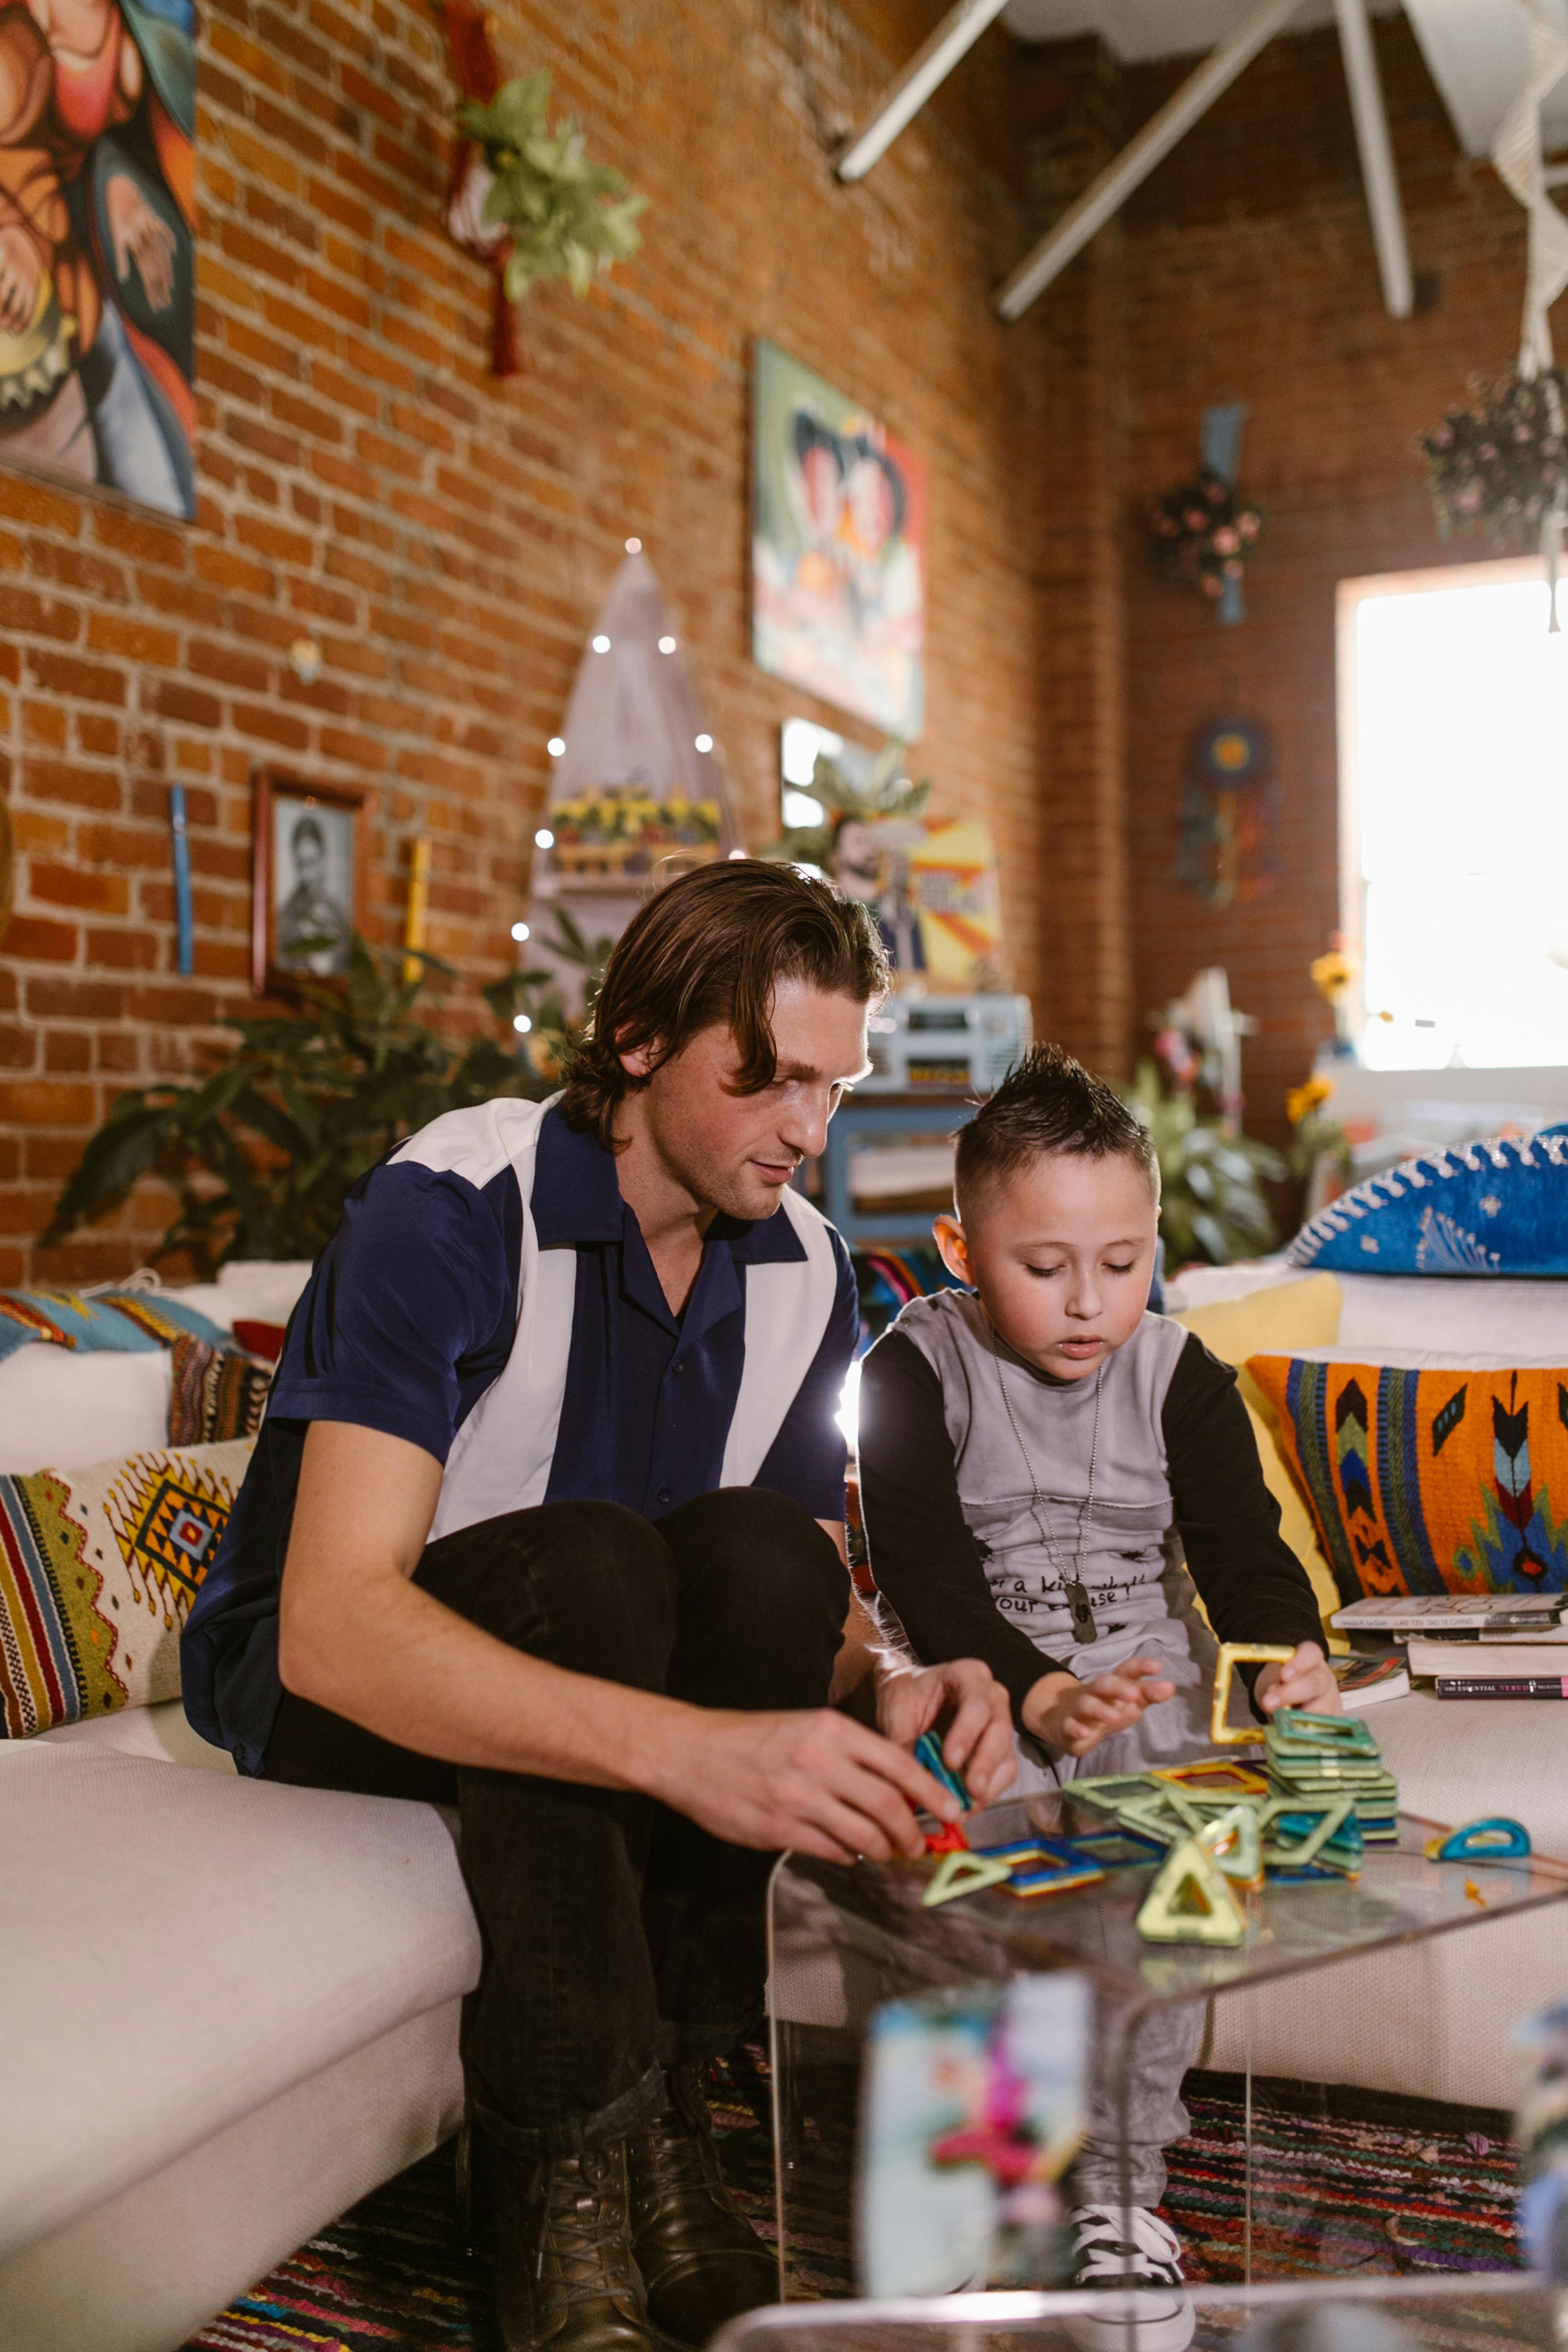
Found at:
[489, 1296]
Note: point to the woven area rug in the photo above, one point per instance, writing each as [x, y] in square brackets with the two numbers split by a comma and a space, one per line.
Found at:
[1344, 2183]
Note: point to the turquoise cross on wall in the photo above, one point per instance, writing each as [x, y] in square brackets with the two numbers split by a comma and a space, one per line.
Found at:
[1219, 446]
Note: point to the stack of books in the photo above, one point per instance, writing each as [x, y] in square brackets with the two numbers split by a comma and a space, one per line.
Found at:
[1481, 1645]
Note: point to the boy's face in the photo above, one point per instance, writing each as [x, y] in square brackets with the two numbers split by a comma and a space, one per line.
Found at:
[1062, 1253]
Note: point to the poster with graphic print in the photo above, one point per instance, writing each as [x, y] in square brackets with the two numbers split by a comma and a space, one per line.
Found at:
[839, 519]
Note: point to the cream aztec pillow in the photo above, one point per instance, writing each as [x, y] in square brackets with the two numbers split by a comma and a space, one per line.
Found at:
[98, 1571]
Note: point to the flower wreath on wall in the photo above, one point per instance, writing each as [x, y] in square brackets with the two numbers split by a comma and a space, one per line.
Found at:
[1201, 533]
[1502, 465]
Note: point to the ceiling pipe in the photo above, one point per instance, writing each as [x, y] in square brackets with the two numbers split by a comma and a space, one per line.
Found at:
[904, 97]
[1378, 170]
[1105, 196]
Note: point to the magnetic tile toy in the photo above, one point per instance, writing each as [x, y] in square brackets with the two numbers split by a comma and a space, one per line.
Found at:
[1214, 1776]
[1118, 1848]
[1495, 1838]
[928, 1751]
[962, 1873]
[1234, 1841]
[1231, 1655]
[1191, 1902]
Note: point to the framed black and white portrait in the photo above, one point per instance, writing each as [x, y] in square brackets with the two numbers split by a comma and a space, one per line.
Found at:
[307, 897]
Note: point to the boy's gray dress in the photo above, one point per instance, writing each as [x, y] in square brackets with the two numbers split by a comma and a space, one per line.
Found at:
[1138, 1590]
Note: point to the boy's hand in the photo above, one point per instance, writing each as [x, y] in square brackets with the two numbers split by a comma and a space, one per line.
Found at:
[977, 1743]
[1303, 1680]
[1070, 1717]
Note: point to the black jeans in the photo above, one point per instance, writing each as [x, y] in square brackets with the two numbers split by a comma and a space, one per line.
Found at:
[618, 1937]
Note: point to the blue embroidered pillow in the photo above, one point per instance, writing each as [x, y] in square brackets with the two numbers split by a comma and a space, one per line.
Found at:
[125, 1322]
[1498, 1208]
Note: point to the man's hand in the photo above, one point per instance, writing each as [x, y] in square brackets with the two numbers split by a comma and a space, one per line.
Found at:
[1070, 1717]
[1303, 1680]
[977, 1743]
[815, 1780]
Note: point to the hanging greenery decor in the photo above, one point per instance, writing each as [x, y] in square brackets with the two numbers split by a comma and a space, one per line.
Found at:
[1502, 465]
[565, 217]
[1201, 533]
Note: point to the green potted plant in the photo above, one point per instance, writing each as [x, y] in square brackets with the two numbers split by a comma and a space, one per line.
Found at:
[1212, 1203]
[261, 1151]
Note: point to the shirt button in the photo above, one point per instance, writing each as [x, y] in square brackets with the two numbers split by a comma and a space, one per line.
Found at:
[679, 1365]
[663, 1495]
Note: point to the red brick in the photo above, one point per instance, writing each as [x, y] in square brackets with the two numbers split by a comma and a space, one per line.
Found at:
[63, 674]
[183, 704]
[36, 1102]
[75, 1000]
[31, 940]
[69, 886]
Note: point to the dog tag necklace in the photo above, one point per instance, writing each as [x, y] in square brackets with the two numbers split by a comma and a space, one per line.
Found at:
[1072, 1584]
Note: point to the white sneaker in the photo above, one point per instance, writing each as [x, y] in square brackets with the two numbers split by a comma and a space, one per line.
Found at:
[1130, 2248]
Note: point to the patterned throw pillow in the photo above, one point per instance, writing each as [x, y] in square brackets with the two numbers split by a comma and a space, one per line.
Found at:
[125, 1322]
[215, 1393]
[1433, 1481]
[98, 1571]
[1498, 1208]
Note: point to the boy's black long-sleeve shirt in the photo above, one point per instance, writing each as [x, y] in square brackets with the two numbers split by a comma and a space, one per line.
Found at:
[932, 1568]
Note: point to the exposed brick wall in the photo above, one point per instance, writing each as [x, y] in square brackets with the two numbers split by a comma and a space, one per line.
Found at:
[1070, 106]
[1249, 272]
[447, 539]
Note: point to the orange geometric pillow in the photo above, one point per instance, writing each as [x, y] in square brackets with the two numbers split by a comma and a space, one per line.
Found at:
[1427, 1481]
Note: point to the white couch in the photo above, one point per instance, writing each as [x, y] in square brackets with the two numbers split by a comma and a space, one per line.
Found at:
[230, 2010]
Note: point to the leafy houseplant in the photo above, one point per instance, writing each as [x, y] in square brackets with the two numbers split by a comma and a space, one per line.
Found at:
[887, 792]
[262, 1151]
[564, 216]
[1211, 1183]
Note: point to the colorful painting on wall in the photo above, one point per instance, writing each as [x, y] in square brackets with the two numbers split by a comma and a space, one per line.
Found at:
[839, 513]
[98, 110]
[931, 883]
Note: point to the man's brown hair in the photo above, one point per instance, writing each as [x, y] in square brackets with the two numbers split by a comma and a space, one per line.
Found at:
[714, 947]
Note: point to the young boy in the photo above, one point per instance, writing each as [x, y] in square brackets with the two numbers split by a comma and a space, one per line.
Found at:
[1029, 1449]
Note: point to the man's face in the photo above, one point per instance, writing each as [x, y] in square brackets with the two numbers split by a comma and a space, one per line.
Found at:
[736, 1152]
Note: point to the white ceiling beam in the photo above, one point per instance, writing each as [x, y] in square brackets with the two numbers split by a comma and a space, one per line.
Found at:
[1106, 196]
[926, 71]
[1378, 170]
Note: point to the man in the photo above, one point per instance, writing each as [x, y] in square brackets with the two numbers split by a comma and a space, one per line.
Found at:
[545, 1519]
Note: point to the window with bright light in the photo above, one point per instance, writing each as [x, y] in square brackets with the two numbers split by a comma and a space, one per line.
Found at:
[1454, 760]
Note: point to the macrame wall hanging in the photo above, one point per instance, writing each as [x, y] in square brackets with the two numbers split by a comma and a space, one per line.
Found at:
[1501, 465]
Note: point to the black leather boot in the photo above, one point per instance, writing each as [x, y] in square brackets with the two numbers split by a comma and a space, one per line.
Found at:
[700, 2260]
[563, 2275]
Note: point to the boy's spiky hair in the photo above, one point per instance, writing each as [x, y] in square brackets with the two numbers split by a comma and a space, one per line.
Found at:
[1049, 1102]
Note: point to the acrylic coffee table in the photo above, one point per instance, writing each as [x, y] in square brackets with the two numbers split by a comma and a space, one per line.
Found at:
[1386, 2316]
[842, 1941]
